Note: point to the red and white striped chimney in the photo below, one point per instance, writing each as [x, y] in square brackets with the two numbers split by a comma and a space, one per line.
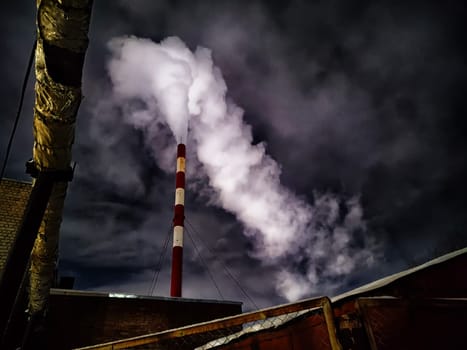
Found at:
[179, 216]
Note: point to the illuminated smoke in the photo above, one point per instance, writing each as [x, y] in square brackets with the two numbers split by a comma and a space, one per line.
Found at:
[313, 245]
[160, 74]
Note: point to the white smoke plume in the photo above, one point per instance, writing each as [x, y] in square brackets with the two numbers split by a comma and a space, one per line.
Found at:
[314, 245]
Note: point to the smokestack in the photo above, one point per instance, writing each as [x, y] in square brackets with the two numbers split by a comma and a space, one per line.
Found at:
[179, 216]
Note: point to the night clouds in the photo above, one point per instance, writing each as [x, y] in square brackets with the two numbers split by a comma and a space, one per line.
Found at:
[359, 104]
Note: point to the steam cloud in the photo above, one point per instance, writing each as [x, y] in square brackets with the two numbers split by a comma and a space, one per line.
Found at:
[314, 245]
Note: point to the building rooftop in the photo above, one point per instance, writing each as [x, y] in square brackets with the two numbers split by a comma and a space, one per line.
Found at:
[438, 285]
[83, 293]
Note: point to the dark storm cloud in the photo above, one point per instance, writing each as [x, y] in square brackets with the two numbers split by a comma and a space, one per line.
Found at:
[355, 90]
[18, 29]
[363, 98]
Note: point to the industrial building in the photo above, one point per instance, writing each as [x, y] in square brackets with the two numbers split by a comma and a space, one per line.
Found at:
[421, 308]
[97, 317]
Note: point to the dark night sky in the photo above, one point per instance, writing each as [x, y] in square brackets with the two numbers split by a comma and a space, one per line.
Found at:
[354, 98]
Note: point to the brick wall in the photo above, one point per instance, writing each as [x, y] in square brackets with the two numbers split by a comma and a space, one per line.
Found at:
[13, 198]
[78, 318]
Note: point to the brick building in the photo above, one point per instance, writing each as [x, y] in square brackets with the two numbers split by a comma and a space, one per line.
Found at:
[78, 318]
[13, 198]
[424, 307]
